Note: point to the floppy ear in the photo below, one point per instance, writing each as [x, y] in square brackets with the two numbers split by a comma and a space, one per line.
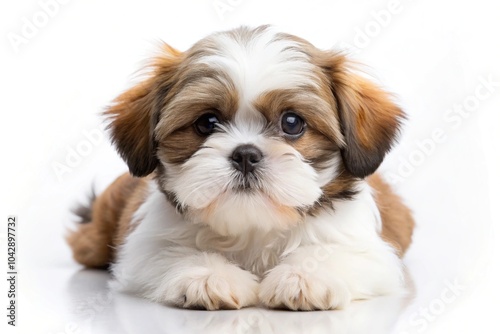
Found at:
[134, 114]
[370, 121]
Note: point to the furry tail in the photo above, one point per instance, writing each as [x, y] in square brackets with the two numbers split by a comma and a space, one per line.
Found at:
[89, 244]
[103, 223]
[84, 211]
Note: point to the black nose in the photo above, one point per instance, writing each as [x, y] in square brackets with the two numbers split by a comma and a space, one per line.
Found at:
[246, 157]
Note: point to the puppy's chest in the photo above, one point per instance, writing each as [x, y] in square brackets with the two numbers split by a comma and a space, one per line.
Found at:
[255, 253]
[257, 260]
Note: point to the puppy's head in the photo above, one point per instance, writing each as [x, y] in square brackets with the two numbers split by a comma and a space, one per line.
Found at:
[253, 129]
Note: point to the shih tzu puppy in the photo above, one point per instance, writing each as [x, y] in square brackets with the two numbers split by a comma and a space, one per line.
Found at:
[252, 159]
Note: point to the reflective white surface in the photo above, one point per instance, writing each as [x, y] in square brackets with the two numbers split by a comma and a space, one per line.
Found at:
[433, 55]
[94, 309]
[119, 311]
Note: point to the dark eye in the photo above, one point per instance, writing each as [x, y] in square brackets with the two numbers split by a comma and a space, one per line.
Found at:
[205, 125]
[292, 124]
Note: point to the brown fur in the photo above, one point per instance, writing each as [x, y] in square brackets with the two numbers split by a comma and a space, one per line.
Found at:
[345, 114]
[369, 119]
[397, 220]
[134, 114]
[94, 243]
[312, 104]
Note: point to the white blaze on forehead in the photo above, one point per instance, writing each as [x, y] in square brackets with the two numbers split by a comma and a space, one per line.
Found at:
[263, 62]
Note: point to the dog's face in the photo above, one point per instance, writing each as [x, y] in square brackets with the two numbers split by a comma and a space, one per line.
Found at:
[253, 129]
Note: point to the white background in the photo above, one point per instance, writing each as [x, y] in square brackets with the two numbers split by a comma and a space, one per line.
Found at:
[434, 55]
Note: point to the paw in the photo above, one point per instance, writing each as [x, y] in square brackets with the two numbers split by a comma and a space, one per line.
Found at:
[290, 287]
[228, 287]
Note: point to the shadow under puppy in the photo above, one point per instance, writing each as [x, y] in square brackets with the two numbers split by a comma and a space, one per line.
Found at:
[250, 157]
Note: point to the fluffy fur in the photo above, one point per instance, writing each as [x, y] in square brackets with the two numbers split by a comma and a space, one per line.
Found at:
[307, 229]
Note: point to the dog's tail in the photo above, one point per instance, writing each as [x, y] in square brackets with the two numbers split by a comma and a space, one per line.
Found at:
[84, 211]
[98, 232]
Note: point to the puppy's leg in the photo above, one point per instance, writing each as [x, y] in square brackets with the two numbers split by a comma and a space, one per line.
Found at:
[322, 277]
[160, 262]
[187, 278]
[342, 257]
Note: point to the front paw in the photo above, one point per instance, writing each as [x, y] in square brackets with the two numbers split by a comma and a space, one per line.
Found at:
[227, 287]
[290, 287]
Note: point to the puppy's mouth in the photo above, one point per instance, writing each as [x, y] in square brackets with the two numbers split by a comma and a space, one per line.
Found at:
[246, 183]
[246, 161]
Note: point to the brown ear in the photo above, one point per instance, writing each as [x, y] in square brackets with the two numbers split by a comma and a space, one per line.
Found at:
[134, 114]
[370, 121]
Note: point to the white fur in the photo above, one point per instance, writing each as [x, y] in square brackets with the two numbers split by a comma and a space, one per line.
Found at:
[329, 259]
[264, 63]
[207, 178]
[330, 170]
[237, 248]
